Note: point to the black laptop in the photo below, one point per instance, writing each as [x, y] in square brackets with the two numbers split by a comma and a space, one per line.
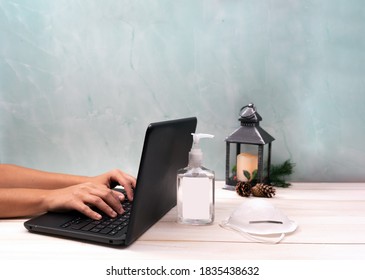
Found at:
[165, 150]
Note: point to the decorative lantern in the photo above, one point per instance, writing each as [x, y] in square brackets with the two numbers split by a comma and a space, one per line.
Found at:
[248, 137]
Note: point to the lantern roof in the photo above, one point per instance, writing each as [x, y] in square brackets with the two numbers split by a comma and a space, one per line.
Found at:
[250, 135]
[250, 131]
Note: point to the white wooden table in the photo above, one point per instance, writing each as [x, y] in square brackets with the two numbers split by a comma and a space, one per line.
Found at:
[330, 218]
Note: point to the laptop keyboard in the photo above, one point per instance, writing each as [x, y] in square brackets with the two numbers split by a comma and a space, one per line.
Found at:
[106, 225]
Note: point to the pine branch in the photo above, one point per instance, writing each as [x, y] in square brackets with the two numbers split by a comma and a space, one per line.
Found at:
[277, 172]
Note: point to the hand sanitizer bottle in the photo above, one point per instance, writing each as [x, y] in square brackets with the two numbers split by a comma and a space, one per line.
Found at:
[195, 188]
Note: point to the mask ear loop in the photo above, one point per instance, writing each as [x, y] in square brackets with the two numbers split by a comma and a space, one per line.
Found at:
[261, 239]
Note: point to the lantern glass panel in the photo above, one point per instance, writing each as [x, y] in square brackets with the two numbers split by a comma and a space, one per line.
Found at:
[245, 157]
[265, 155]
[233, 149]
[246, 160]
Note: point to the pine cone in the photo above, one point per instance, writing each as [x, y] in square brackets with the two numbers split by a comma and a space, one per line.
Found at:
[243, 188]
[263, 190]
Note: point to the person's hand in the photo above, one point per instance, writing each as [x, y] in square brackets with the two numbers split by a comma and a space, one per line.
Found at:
[117, 177]
[83, 196]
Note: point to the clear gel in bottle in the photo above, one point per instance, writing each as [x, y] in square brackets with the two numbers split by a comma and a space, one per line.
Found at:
[195, 188]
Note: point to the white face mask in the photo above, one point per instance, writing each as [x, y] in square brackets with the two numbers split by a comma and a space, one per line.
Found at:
[260, 220]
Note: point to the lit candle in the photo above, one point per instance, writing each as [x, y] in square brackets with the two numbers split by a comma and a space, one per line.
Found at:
[247, 162]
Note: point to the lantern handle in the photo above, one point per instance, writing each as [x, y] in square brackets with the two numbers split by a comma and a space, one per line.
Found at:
[253, 111]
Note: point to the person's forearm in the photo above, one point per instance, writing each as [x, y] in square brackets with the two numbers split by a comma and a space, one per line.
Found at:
[17, 202]
[13, 176]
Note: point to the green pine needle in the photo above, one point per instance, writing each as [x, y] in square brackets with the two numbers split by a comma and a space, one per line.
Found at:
[277, 172]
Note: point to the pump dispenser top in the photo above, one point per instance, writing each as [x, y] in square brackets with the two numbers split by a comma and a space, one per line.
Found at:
[196, 154]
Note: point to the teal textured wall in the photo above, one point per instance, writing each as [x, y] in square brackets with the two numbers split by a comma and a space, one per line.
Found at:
[80, 80]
